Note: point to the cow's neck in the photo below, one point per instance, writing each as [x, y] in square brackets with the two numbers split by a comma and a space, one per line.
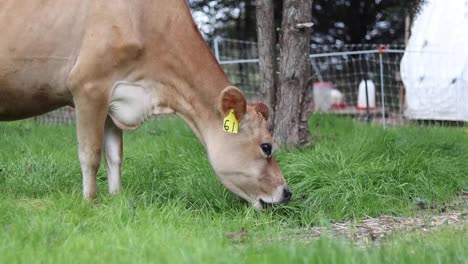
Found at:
[194, 81]
[192, 78]
[199, 112]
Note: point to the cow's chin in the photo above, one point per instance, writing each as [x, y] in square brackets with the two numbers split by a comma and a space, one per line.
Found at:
[276, 198]
[261, 204]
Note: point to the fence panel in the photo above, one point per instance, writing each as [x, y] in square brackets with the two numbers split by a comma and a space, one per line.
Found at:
[347, 66]
[343, 68]
[239, 60]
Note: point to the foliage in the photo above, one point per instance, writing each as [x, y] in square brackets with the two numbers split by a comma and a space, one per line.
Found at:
[233, 19]
[335, 21]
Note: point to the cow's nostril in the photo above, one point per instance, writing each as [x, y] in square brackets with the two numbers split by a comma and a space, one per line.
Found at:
[287, 194]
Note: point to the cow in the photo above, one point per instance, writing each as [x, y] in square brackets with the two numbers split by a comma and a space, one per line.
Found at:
[120, 62]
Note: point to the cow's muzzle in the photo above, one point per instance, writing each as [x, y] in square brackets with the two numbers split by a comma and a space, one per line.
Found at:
[287, 194]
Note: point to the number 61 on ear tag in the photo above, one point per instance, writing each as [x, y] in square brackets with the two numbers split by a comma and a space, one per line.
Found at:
[230, 123]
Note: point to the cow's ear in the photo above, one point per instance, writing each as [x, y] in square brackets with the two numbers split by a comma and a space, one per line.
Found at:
[262, 109]
[233, 98]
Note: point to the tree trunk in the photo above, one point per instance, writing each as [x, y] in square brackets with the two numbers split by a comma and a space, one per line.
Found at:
[267, 53]
[291, 126]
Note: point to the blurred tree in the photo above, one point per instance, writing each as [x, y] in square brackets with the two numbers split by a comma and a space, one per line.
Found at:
[335, 21]
[233, 19]
[361, 21]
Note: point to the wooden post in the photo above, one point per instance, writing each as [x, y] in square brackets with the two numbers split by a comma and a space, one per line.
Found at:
[407, 29]
[402, 86]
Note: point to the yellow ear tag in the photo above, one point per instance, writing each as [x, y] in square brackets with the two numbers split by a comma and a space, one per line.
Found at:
[230, 124]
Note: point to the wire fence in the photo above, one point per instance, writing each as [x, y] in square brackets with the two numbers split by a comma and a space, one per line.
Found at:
[239, 60]
[379, 99]
[62, 116]
[338, 85]
[338, 73]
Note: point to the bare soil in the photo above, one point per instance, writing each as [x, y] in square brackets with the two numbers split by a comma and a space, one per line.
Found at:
[373, 230]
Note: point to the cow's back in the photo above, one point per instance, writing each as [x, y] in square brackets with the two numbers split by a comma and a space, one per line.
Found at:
[39, 42]
[51, 49]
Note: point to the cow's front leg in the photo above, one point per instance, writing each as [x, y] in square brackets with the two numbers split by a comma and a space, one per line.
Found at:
[113, 151]
[91, 106]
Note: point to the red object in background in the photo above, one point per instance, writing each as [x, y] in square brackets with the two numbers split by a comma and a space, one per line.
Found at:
[339, 106]
[381, 49]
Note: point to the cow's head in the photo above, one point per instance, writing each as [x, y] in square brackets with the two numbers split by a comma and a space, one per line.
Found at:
[243, 161]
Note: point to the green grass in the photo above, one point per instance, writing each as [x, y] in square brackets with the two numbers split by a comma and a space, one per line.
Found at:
[174, 210]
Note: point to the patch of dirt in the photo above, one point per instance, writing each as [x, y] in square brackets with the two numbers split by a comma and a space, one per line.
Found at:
[371, 230]
[35, 204]
[239, 236]
[374, 230]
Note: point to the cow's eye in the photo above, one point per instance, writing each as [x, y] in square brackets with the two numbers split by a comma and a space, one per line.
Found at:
[266, 148]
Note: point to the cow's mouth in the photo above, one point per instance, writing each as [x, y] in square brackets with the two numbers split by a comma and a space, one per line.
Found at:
[267, 204]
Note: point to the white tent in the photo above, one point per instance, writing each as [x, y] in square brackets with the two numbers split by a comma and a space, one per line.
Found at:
[434, 68]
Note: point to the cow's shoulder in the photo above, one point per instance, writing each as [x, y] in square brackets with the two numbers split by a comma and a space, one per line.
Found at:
[112, 41]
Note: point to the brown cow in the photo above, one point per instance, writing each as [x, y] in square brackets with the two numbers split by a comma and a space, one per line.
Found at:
[118, 63]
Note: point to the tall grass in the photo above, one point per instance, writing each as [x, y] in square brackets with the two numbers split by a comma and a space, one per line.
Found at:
[353, 170]
[174, 210]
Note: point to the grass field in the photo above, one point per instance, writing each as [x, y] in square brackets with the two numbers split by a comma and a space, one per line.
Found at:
[174, 210]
